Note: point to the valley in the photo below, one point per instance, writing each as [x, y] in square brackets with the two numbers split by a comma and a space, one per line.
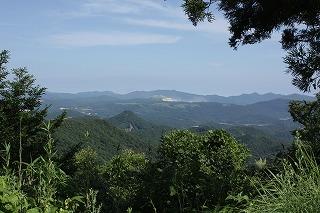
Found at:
[263, 126]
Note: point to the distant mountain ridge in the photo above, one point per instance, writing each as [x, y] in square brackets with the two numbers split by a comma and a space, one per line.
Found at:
[177, 114]
[175, 96]
[130, 121]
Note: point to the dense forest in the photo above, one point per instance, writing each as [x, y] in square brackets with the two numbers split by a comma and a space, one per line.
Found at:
[155, 156]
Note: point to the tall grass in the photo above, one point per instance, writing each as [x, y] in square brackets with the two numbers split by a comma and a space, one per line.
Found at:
[11, 197]
[33, 188]
[43, 176]
[295, 189]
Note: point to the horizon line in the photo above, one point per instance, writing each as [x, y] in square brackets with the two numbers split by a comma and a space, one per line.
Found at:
[190, 93]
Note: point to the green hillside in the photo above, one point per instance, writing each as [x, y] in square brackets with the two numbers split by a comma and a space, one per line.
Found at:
[127, 130]
[106, 139]
[134, 125]
[260, 141]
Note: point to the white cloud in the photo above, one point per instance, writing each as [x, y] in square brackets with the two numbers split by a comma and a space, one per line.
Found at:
[95, 7]
[160, 24]
[128, 7]
[218, 26]
[90, 39]
[146, 13]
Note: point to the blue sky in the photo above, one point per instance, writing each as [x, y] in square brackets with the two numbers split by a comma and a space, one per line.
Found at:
[127, 45]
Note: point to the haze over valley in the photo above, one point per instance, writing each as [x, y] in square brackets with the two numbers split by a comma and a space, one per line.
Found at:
[178, 109]
[261, 121]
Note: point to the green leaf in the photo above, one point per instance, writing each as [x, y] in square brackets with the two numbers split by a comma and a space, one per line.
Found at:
[173, 191]
[34, 210]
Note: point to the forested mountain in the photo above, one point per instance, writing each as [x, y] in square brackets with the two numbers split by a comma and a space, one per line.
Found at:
[131, 122]
[139, 127]
[178, 114]
[264, 127]
[106, 139]
[175, 96]
[261, 141]
[252, 98]
[127, 130]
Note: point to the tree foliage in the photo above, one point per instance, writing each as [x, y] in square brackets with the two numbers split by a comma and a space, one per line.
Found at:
[200, 169]
[308, 115]
[86, 164]
[21, 113]
[124, 175]
[252, 21]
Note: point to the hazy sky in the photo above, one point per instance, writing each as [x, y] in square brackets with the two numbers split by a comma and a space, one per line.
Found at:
[126, 45]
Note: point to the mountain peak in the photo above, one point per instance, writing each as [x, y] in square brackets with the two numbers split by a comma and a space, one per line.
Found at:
[127, 113]
[129, 120]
